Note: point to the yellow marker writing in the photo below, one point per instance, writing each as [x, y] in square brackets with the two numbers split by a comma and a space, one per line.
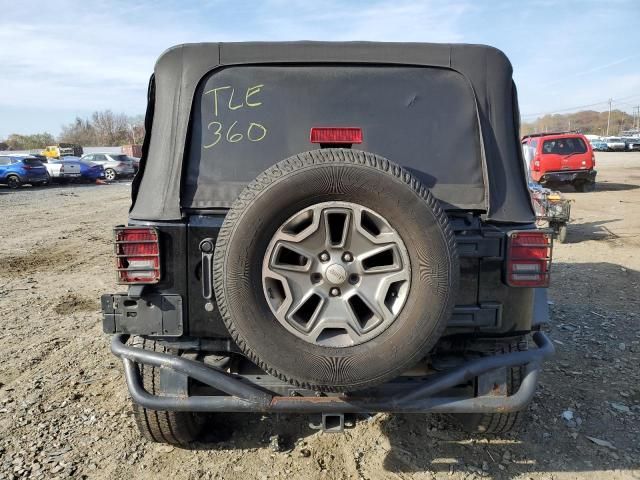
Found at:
[215, 97]
[250, 92]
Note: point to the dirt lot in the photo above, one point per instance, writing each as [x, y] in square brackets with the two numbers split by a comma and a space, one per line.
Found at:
[64, 409]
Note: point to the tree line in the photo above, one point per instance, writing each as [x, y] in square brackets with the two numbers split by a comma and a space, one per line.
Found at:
[108, 129]
[587, 121]
[105, 129]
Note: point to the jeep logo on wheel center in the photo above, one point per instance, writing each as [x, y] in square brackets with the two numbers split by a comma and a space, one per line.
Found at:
[336, 274]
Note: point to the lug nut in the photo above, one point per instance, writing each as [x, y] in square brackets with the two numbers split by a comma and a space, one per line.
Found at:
[353, 279]
[347, 257]
[334, 292]
[324, 257]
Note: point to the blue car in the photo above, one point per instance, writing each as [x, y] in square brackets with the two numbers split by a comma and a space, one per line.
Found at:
[17, 170]
[599, 145]
[74, 168]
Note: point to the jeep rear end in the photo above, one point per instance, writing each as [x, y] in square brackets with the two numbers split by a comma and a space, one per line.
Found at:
[330, 229]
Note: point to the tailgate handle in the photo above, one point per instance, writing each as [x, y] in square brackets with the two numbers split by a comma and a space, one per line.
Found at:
[206, 248]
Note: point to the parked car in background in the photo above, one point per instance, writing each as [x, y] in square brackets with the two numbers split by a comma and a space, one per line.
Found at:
[560, 158]
[631, 144]
[18, 170]
[599, 145]
[115, 164]
[62, 150]
[136, 163]
[615, 143]
[74, 168]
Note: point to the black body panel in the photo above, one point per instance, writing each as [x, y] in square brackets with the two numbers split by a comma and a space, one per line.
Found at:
[485, 305]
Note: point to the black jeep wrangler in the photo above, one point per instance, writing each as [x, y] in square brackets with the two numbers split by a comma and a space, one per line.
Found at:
[329, 229]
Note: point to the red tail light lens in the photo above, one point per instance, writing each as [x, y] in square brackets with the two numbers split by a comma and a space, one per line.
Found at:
[337, 135]
[137, 255]
[528, 258]
[535, 165]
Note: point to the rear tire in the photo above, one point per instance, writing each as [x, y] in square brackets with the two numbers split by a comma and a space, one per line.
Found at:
[174, 428]
[498, 423]
[13, 181]
[110, 174]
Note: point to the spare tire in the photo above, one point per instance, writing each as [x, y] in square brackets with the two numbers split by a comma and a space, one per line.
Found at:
[335, 270]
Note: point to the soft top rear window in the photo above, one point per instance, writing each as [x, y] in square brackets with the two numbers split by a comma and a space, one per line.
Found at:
[564, 146]
[247, 118]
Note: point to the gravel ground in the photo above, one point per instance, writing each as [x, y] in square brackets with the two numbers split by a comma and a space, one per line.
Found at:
[64, 409]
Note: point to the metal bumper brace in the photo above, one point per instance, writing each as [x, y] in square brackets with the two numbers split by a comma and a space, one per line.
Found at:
[244, 397]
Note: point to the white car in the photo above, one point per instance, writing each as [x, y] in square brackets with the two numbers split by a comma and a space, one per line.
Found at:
[66, 167]
[615, 143]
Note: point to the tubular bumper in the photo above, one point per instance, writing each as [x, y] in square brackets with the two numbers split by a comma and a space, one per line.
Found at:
[243, 397]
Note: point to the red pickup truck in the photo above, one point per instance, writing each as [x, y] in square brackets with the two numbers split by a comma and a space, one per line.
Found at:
[560, 158]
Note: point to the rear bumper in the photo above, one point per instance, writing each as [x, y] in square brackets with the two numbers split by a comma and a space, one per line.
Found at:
[39, 177]
[569, 176]
[239, 395]
[125, 172]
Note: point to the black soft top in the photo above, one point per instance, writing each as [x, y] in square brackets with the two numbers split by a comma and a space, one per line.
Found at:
[166, 177]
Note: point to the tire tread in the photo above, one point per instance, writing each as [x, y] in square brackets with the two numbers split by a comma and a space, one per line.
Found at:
[271, 175]
[174, 428]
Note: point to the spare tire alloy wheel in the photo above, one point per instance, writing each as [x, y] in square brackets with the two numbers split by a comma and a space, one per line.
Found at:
[336, 274]
[335, 270]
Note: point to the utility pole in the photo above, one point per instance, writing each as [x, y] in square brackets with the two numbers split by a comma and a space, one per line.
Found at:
[609, 117]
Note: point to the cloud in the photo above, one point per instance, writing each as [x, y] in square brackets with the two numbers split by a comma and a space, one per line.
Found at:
[66, 57]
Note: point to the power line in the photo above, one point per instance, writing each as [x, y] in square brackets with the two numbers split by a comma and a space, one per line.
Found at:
[605, 102]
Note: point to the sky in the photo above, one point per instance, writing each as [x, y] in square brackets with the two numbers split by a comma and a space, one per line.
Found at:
[65, 58]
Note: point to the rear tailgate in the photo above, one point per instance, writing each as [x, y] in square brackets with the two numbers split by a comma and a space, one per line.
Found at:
[70, 169]
[35, 169]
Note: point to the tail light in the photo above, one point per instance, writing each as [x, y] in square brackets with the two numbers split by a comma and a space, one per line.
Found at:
[336, 135]
[528, 258]
[593, 159]
[535, 165]
[137, 255]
